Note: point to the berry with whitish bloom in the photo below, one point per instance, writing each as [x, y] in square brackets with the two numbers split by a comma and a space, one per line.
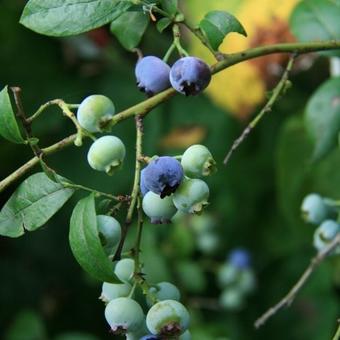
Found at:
[165, 291]
[190, 75]
[239, 258]
[314, 209]
[207, 242]
[246, 281]
[137, 335]
[150, 337]
[143, 188]
[106, 154]
[160, 210]
[197, 161]
[162, 175]
[124, 269]
[227, 275]
[94, 111]
[152, 75]
[191, 196]
[111, 291]
[109, 232]
[325, 234]
[185, 336]
[232, 298]
[168, 318]
[124, 315]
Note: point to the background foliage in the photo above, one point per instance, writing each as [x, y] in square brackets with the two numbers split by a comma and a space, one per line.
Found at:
[255, 200]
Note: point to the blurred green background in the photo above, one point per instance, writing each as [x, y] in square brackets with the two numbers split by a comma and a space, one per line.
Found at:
[254, 200]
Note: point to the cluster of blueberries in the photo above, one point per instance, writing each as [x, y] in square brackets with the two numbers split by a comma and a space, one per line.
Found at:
[323, 212]
[165, 319]
[236, 279]
[188, 75]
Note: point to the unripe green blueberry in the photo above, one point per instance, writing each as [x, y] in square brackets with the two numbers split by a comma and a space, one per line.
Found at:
[111, 291]
[227, 275]
[197, 161]
[137, 335]
[93, 111]
[165, 291]
[106, 154]
[246, 281]
[325, 234]
[124, 315]
[207, 242]
[231, 298]
[160, 210]
[185, 336]
[191, 196]
[168, 318]
[124, 269]
[202, 224]
[109, 231]
[314, 209]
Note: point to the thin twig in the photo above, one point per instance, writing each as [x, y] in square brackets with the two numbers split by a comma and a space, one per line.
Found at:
[337, 334]
[135, 189]
[289, 298]
[277, 92]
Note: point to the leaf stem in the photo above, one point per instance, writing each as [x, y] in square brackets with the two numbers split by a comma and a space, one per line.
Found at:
[177, 41]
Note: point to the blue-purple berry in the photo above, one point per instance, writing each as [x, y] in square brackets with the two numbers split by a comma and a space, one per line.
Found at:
[162, 176]
[239, 258]
[190, 75]
[150, 337]
[152, 75]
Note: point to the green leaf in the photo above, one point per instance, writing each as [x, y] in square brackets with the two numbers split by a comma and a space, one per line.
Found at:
[217, 24]
[70, 17]
[315, 20]
[85, 242]
[169, 6]
[162, 24]
[34, 202]
[8, 125]
[322, 117]
[129, 28]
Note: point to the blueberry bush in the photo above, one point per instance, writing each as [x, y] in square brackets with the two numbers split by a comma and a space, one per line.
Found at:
[187, 223]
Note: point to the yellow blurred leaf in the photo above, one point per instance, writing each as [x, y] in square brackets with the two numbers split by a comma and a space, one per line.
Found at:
[242, 87]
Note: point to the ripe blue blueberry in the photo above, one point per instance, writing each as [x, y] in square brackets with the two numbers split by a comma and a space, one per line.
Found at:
[106, 154]
[160, 210]
[152, 75]
[162, 175]
[124, 269]
[190, 75]
[325, 234]
[168, 318]
[124, 315]
[150, 337]
[197, 161]
[93, 111]
[191, 196]
[111, 291]
[239, 258]
[314, 209]
[165, 291]
[109, 232]
[143, 188]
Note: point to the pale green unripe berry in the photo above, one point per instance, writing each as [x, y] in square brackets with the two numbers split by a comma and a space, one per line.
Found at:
[111, 291]
[231, 298]
[227, 275]
[124, 315]
[106, 154]
[168, 318]
[124, 269]
[93, 111]
[207, 242]
[185, 336]
[325, 234]
[314, 209]
[246, 281]
[197, 161]
[165, 291]
[109, 232]
[160, 210]
[191, 196]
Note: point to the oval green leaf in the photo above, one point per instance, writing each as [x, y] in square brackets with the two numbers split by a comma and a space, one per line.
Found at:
[85, 242]
[316, 20]
[34, 202]
[169, 6]
[322, 117]
[217, 24]
[162, 24]
[70, 17]
[129, 28]
[9, 128]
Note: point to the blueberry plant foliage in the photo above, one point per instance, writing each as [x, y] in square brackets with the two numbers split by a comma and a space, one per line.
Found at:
[163, 186]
